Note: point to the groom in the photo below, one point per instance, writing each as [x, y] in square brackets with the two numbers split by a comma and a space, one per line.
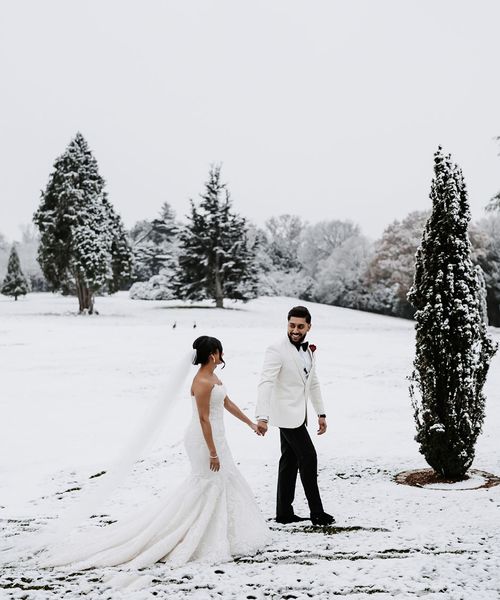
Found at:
[288, 379]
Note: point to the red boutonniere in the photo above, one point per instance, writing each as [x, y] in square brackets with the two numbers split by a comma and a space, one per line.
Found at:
[312, 347]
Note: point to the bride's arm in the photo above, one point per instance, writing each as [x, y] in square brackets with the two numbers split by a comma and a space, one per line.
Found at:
[235, 410]
[202, 393]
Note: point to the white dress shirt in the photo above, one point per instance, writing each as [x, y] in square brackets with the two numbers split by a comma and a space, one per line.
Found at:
[306, 359]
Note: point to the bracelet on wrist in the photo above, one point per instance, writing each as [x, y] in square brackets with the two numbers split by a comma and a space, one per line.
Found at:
[214, 456]
[321, 416]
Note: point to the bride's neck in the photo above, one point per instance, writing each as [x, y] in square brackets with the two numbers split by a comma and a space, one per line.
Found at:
[208, 369]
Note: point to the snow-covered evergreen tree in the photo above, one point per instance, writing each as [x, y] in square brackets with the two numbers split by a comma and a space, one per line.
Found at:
[453, 349]
[120, 267]
[15, 283]
[216, 260]
[27, 250]
[155, 245]
[144, 251]
[166, 226]
[82, 242]
[284, 239]
[156, 250]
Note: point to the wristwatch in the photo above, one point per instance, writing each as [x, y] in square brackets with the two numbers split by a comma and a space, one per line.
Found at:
[321, 416]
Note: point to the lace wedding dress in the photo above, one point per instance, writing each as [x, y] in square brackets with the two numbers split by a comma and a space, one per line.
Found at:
[211, 517]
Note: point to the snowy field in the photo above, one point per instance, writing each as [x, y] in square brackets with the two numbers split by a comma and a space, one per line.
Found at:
[74, 388]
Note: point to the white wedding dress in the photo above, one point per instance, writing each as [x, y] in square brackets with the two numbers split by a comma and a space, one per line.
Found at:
[211, 517]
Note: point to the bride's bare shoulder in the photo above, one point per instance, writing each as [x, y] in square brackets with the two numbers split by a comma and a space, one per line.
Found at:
[201, 386]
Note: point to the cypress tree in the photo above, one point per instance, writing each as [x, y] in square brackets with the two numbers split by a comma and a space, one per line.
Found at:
[83, 246]
[215, 257]
[15, 283]
[453, 349]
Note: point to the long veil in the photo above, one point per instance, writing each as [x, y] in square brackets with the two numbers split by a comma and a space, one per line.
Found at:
[29, 545]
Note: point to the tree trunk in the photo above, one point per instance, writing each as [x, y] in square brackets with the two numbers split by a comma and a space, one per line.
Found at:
[79, 293]
[219, 296]
[89, 296]
[85, 297]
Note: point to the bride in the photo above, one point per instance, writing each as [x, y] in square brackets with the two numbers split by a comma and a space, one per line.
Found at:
[211, 517]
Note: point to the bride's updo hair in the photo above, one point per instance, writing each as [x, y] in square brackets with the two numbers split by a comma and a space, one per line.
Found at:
[205, 346]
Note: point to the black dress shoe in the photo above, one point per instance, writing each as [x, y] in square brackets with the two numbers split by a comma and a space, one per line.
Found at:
[322, 519]
[291, 519]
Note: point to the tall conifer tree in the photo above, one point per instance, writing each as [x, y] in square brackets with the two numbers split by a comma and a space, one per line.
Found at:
[155, 245]
[453, 349]
[83, 246]
[215, 260]
[15, 283]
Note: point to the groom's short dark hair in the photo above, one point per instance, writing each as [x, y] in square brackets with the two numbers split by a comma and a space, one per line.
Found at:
[301, 312]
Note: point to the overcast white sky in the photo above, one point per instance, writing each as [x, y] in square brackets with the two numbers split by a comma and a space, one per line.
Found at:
[321, 108]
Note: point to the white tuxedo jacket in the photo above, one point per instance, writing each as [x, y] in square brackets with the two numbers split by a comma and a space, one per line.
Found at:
[284, 387]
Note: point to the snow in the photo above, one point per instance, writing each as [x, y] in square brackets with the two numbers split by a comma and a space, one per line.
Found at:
[73, 389]
[473, 482]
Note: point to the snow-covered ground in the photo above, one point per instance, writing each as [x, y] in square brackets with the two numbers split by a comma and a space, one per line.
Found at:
[73, 389]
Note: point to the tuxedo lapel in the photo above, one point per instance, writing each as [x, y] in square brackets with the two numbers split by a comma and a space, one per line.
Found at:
[292, 350]
[313, 359]
[311, 354]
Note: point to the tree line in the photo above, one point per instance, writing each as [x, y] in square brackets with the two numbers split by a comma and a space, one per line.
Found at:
[330, 262]
[83, 249]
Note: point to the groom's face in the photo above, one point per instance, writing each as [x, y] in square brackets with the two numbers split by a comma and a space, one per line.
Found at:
[297, 329]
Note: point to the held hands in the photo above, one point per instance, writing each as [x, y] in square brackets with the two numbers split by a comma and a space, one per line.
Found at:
[255, 427]
[321, 425]
[261, 427]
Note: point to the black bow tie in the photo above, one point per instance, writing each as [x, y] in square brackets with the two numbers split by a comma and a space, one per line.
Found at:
[304, 346]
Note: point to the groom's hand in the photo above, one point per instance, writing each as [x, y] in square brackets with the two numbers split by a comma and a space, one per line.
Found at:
[262, 427]
[321, 425]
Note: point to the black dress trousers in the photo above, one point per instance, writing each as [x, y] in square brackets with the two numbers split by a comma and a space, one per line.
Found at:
[298, 455]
